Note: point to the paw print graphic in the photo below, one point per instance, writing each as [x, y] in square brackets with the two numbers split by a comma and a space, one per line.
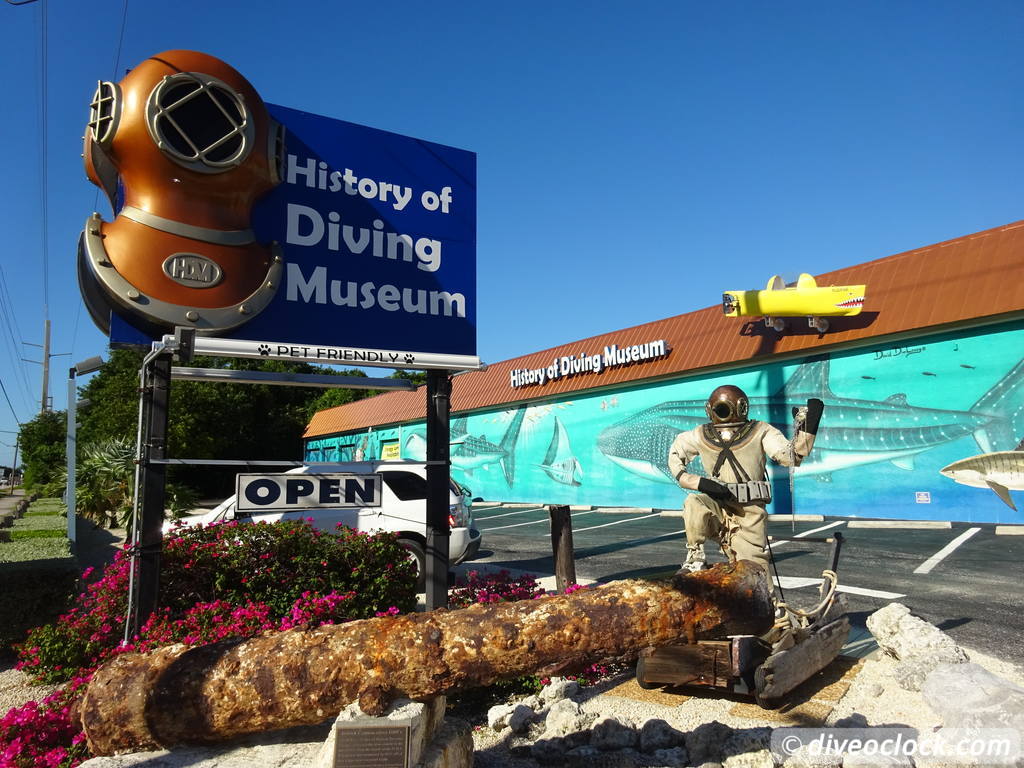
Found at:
[264, 349]
[409, 358]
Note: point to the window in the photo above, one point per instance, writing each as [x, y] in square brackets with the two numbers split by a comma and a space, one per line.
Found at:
[405, 485]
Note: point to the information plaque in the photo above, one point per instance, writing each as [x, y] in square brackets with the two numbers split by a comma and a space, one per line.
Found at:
[372, 746]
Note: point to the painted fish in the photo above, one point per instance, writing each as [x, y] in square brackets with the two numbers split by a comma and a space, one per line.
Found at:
[1001, 471]
[559, 462]
[853, 432]
[469, 453]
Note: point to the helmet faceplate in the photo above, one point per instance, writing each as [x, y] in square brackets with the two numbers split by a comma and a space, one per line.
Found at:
[728, 405]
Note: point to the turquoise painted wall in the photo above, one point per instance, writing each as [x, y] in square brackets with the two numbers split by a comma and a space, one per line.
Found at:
[895, 415]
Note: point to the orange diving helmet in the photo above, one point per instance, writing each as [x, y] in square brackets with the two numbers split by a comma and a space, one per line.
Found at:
[193, 147]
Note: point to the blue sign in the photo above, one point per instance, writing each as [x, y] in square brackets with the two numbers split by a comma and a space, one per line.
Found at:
[378, 237]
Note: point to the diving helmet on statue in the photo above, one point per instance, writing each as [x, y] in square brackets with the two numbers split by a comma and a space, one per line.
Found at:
[183, 147]
[728, 404]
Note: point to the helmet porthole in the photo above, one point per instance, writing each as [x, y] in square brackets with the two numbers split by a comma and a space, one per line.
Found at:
[200, 122]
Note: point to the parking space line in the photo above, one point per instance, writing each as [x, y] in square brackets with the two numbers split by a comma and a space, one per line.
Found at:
[531, 522]
[798, 582]
[631, 519]
[777, 544]
[942, 554]
[506, 514]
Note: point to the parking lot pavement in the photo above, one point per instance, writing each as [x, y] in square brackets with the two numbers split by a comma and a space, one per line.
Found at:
[963, 577]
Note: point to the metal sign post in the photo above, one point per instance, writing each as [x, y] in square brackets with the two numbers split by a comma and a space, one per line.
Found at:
[439, 390]
[147, 534]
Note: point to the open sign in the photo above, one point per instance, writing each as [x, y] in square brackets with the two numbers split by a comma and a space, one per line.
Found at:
[289, 492]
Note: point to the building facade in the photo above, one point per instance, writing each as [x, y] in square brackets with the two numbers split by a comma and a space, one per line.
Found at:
[924, 394]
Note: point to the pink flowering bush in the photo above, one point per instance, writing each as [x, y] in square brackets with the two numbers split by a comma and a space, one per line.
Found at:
[219, 582]
[229, 580]
[493, 588]
[41, 733]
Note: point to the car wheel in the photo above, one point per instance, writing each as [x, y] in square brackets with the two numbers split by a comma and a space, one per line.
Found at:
[419, 556]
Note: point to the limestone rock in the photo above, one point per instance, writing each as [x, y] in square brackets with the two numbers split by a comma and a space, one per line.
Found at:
[656, 734]
[969, 696]
[567, 720]
[558, 689]
[672, 757]
[860, 760]
[549, 751]
[498, 715]
[805, 757]
[609, 733]
[905, 637]
[520, 719]
[705, 742]
[761, 758]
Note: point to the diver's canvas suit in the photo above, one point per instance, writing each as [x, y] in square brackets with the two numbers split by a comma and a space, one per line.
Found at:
[739, 528]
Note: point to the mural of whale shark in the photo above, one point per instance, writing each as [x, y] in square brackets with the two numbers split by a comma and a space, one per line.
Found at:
[853, 432]
[469, 453]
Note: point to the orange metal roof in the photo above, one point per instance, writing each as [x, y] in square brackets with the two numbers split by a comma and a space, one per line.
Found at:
[970, 279]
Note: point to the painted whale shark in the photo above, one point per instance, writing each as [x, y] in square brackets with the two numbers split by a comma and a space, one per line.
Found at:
[853, 432]
[469, 452]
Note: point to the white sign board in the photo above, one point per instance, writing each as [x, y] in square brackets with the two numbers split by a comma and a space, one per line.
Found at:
[291, 492]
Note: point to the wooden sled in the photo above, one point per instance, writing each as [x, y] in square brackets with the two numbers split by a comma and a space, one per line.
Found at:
[766, 668]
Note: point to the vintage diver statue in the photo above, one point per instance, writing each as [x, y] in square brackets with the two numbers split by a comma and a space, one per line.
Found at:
[730, 504]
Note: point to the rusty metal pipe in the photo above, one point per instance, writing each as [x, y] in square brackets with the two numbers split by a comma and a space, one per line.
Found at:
[177, 695]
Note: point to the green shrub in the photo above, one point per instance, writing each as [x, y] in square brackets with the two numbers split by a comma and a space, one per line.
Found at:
[41, 523]
[34, 549]
[47, 506]
[44, 533]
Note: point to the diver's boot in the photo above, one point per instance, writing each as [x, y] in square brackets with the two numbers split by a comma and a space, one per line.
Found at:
[694, 559]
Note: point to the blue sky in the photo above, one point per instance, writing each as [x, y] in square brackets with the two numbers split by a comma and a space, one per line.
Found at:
[633, 159]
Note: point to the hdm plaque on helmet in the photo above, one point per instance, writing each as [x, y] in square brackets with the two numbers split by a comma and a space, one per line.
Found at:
[280, 232]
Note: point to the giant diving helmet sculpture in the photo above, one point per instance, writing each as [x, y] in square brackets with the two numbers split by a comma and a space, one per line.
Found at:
[729, 506]
[183, 147]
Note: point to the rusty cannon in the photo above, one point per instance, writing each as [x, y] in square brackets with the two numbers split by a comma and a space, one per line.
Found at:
[180, 695]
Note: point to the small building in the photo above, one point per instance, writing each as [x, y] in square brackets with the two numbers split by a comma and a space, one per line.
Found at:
[931, 372]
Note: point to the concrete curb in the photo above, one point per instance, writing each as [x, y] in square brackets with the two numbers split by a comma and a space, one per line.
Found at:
[1010, 530]
[923, 524]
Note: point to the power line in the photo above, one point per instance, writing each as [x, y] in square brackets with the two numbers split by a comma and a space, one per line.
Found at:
[45, 163]
[7, 315]
[13, 413]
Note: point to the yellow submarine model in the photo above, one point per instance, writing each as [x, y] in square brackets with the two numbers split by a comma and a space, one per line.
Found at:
[805, 299]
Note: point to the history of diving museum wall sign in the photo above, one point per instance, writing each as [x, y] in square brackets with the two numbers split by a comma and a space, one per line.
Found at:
[613, 356]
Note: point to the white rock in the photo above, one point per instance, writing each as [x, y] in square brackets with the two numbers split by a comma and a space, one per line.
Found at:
[761, 758]
[559, 689]
[497, 716]
[673, 757]
[609, 733]
[656, 734]
[520, 719]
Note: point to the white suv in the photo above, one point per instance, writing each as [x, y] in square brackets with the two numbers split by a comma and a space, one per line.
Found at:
[403, 509]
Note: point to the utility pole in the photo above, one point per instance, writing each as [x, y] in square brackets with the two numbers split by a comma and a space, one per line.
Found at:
[44, 402]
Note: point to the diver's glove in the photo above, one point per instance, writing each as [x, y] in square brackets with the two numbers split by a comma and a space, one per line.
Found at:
[715, 490]
[814, 411]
